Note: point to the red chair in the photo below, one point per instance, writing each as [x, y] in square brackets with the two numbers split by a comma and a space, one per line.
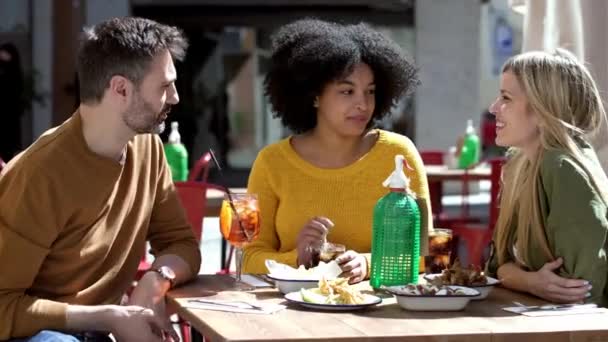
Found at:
[200, 170]
[440, 218]
[434, 157]
[488, 131]
[477, 236]
[193, 196]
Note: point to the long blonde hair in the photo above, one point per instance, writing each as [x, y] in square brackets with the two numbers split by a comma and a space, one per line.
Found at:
[562, 94]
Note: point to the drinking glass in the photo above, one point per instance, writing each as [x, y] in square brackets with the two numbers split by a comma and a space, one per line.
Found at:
[329, 251]
[440, 249]
[240, 225]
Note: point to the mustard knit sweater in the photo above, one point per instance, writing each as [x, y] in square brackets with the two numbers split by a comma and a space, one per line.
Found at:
[291, 191]
[74, 225]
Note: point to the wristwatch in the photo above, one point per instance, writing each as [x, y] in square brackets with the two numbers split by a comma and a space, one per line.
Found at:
[166, 273]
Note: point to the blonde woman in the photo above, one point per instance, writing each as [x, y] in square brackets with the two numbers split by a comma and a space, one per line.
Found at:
[550, 238]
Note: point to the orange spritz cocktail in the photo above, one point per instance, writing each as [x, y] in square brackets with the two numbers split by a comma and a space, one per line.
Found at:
[240, 224]
[244, 228]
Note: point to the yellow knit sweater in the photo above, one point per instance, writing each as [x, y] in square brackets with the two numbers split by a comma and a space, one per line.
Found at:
[291, 191]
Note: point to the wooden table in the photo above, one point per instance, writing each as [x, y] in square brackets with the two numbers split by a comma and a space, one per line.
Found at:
[481, 320]
[439, 173]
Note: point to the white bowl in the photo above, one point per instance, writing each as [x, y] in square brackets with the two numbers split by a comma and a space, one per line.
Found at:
[414, 302]
[292, 285]
[484, 290]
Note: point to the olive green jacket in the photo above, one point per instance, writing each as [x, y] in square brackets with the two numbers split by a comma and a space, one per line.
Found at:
[575, 220]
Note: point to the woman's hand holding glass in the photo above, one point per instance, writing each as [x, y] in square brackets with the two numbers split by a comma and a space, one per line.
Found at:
[310, 239]
[353, 265]
[545, 284]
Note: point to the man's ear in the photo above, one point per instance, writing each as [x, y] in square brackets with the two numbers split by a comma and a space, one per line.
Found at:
[120, 87]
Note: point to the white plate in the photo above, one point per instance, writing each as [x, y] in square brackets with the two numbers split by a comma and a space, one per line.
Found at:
[484, 290]
[292, 285]
[432, 302]
[370, 300]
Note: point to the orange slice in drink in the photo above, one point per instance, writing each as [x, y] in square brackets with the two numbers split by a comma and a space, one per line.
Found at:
[226, 219]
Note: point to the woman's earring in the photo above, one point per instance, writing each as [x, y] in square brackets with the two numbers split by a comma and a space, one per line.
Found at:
[316, 103]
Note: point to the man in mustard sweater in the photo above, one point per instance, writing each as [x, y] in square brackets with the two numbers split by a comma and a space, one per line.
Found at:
[77, 206]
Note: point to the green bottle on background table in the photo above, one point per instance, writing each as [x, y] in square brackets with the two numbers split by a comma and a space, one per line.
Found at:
[396, 232]
[177, 156]
[469, 154]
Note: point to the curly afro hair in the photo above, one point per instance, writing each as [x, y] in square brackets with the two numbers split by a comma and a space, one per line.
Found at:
[308, 54]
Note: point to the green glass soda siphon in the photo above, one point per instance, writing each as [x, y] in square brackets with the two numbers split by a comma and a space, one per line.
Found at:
[396, 232]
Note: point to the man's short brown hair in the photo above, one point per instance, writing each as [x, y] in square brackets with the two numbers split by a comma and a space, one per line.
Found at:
[123, 46]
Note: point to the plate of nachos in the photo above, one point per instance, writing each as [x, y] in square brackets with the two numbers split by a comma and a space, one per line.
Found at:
[333, 295]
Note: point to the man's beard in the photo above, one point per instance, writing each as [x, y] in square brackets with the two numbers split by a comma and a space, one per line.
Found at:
[142, 118]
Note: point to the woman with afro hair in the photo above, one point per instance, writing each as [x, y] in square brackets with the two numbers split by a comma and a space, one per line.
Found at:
[329, 84]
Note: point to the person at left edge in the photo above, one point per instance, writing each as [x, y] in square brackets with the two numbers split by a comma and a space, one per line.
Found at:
[77, 206]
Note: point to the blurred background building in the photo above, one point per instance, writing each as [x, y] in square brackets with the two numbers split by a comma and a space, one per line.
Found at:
[459, 46]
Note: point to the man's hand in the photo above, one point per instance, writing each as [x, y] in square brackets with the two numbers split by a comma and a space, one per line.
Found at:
[150, 293]
[353, 265]
[545, 284]
[135, 323]
[126, 323]
[145, 319]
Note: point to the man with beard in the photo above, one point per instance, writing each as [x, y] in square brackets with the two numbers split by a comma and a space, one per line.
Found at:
[77, 206]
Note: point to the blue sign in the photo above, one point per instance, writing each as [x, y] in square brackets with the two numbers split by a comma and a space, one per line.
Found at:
[502, 43]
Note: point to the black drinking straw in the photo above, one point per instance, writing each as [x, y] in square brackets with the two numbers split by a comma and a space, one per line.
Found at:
[229, 193]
